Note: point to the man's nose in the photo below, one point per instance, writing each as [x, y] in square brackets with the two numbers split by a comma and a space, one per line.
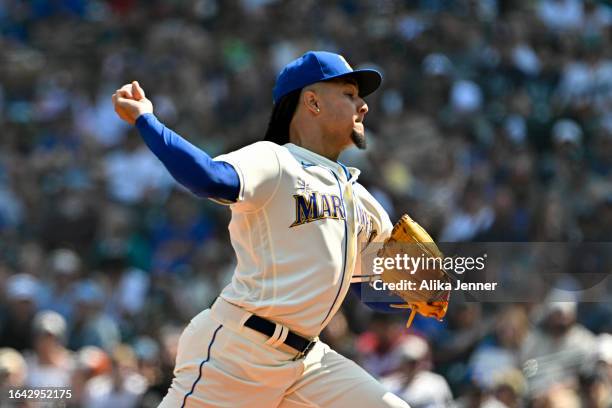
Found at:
[363, 108]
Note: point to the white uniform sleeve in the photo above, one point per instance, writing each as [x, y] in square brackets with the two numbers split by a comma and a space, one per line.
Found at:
[386, 227]
[259, 171]
[382, 222]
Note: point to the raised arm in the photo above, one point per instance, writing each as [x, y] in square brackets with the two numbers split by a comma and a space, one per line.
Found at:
[189, 165]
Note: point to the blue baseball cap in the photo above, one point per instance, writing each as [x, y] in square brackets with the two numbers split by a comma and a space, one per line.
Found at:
[317, 66]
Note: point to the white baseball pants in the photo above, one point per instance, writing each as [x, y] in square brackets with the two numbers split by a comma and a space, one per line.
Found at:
[221, 363]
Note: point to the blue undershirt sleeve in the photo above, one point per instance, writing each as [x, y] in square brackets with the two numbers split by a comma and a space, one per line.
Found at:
[361, 290]
[189, 165]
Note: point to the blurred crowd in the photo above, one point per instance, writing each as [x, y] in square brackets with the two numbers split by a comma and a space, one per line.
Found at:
[493, 124]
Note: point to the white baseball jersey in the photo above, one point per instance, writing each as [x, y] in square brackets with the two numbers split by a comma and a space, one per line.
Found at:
[297, 227]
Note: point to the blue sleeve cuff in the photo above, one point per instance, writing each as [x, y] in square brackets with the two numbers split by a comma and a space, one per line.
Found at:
[371, 298]
[146, 120]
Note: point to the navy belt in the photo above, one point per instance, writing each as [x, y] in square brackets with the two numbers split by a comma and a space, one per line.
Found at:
[299, 343]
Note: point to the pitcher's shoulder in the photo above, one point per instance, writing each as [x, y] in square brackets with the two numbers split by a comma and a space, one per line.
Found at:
[263, 145]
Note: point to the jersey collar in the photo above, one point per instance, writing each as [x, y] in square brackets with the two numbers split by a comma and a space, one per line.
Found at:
[317, 159]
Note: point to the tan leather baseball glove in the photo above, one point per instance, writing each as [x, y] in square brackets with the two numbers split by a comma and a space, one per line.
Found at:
[428, 299]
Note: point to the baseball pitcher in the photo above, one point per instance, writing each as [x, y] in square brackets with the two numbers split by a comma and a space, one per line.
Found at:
[299, 219]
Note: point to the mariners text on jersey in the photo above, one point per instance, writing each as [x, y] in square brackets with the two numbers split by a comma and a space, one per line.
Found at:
[317, 206]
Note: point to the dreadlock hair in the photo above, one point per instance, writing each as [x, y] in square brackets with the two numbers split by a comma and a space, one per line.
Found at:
[278, 127]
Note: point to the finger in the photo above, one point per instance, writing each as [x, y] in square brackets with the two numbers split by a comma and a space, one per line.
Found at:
[125, 94]
[125, 101]
[120, 105]
[115, 97]
[137, 91]
[121, 113]
[126, 89]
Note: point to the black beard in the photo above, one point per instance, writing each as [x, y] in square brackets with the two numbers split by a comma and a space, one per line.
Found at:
[359, 139]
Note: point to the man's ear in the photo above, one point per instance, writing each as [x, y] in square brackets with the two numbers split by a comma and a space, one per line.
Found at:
[311, 101]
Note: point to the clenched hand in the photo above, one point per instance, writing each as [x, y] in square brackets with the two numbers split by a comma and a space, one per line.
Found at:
[130, 102]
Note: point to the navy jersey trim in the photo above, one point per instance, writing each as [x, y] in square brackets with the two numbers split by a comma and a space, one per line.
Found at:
[201, 365]
[307, 165]
[347, 173]
[345, 241]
